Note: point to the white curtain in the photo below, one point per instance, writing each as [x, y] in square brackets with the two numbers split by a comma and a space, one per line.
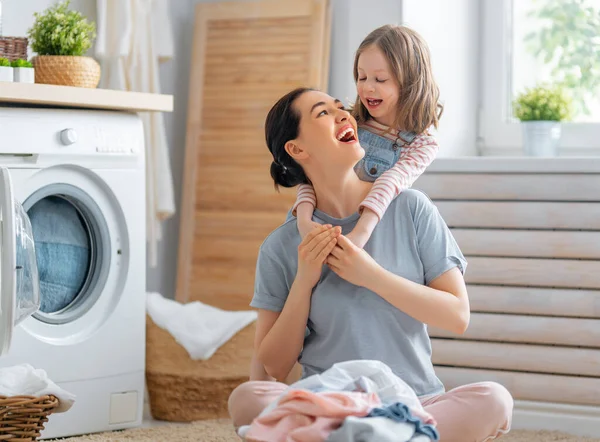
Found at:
[134, 36]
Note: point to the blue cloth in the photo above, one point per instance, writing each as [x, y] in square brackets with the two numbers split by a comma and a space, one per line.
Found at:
[399, 412]
[375, 429]
[63, 251]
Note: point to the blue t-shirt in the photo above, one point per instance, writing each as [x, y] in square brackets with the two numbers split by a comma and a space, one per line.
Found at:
[347, 322]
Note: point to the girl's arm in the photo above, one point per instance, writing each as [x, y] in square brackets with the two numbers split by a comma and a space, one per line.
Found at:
[303, 208]
[411, 164]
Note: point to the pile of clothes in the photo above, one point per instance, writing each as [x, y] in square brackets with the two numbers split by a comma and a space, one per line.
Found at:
[359, 401]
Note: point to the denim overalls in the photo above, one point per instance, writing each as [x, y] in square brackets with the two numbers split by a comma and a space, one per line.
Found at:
[380, 153]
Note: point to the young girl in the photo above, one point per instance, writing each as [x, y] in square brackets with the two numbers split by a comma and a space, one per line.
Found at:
[397, 103]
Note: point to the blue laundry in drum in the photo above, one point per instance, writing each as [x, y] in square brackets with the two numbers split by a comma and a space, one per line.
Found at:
[62, 249]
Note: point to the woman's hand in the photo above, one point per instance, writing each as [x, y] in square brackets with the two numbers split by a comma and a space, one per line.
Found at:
[352, 263]
[312, 252]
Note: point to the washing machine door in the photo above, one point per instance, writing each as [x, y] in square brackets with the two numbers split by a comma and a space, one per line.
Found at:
[19, 281]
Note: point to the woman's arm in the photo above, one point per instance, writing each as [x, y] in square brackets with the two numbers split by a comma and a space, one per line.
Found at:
[264, 323]
[280, 336]
[444, 303]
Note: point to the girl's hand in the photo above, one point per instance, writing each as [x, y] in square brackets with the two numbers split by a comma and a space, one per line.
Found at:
[313, 251]
[352, 263]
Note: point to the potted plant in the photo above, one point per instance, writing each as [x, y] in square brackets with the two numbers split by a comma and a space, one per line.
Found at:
[23, 71]
[61, 37]
[6, 71]
[541, 110]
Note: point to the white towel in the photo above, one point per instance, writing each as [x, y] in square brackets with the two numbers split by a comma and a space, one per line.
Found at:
[24, 380]
[201, 329]
[134, 36]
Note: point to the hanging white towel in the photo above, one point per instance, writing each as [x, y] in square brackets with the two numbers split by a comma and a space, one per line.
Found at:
[24, 380]
[201, 329]
[133, 36]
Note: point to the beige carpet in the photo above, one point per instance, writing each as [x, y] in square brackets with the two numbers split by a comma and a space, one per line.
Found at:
[221, 431]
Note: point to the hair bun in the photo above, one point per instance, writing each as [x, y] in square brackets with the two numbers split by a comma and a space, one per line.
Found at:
[284, 176]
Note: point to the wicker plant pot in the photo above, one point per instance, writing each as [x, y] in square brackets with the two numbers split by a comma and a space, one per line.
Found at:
[22, 418]
[66, 70]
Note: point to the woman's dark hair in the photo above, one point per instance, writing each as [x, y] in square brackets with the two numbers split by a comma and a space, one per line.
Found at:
[282, 125]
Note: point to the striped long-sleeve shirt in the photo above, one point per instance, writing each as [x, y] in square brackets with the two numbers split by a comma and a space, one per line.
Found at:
[413, 161]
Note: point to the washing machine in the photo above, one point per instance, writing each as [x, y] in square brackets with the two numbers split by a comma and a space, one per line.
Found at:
[72, 269]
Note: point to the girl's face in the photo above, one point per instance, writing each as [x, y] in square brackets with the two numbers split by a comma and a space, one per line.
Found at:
[327, 135]
[376, 86]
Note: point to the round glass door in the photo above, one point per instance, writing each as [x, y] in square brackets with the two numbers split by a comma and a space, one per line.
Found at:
[72, 247]
[27, 284]
[19, 289]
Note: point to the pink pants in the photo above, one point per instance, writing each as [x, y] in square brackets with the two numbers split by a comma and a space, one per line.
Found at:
[471, 413]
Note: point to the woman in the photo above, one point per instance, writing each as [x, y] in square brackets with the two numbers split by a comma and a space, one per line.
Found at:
[363, 304]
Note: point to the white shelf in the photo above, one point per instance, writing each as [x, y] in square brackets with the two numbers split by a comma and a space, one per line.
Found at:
[67, 96]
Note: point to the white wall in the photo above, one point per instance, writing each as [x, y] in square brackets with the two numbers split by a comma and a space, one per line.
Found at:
[453, 55]
[352, 20]
[451, 30]
[17, 15]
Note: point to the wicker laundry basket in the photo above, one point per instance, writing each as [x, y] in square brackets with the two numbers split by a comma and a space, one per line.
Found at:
[13, 48]
[22, 418]
[184, 390]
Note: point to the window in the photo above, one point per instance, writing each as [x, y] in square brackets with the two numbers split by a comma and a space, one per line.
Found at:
[528, 42]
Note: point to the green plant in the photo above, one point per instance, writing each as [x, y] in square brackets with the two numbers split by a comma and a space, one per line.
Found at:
[20, 63]
[60, 31]
[568, 41]
[4, 62]
[543, 103]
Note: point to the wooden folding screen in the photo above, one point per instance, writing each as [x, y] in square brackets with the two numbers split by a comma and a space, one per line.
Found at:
[246, 55]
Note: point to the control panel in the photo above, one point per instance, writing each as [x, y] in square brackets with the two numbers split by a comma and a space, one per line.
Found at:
[43, 131]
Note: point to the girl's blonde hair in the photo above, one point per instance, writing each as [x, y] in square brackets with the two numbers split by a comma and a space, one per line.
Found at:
[408, 56]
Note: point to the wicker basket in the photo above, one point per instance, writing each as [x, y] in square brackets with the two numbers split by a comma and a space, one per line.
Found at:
[13, 48]
[66, 70]
[22, 418]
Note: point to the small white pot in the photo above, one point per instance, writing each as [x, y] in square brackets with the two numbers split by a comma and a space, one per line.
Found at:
[541, 138]
[24, 75]
[6, 74]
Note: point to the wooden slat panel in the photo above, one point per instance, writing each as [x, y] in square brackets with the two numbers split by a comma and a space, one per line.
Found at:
[517, 357]
[528, 243]
[561, 273]
[521, 215]
[524, 187]
[527, 386]
[229, 287]
[245, 56]
[237, 224]
[535, 301]
[528, 329]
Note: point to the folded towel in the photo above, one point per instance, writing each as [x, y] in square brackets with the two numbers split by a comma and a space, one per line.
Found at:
[24, 380]
[199, 328]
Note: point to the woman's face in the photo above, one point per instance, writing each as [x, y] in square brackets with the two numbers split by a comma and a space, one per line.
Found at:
[327, 134]
[376, 85]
